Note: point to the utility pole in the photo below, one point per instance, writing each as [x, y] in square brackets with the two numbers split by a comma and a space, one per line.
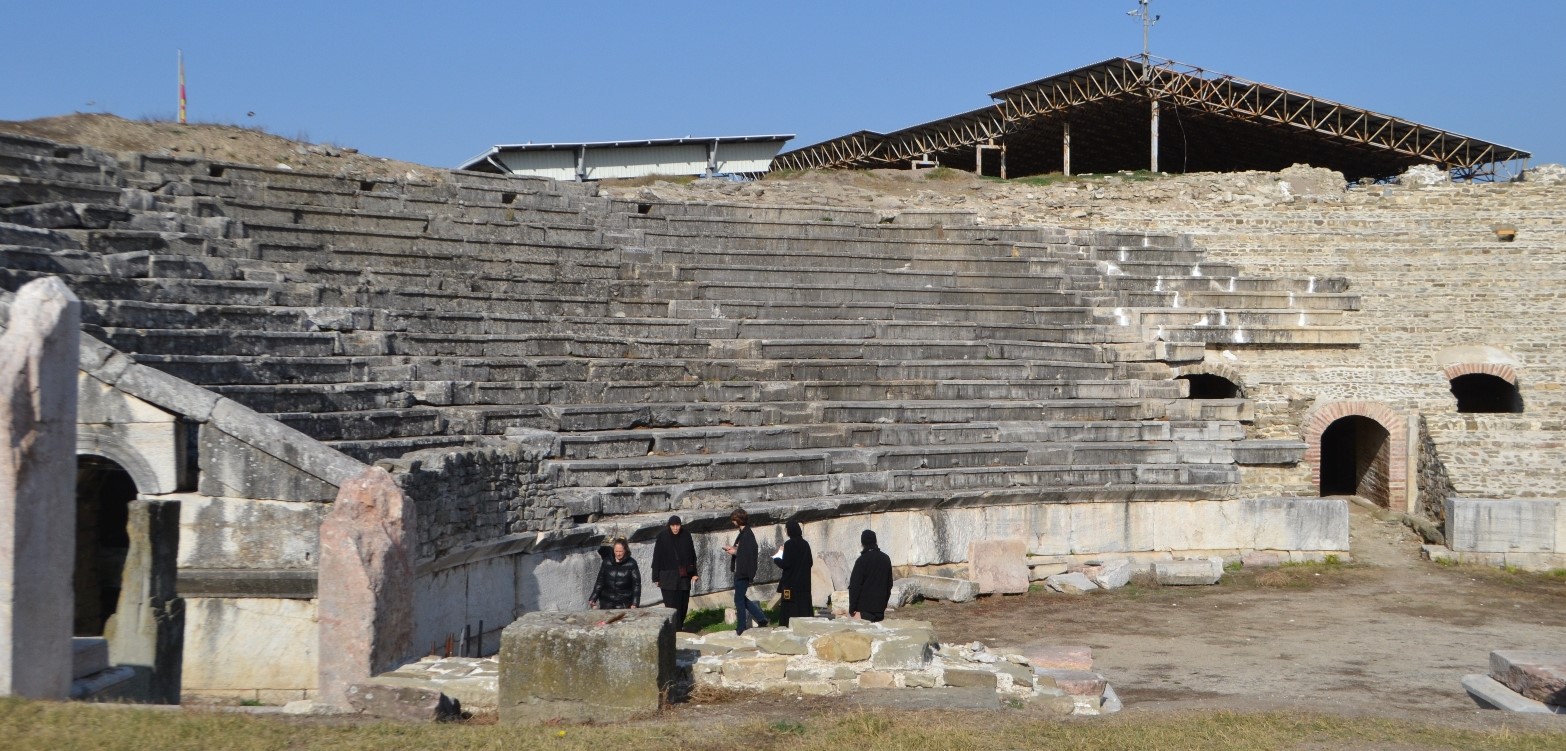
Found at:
[1144, 12]
[181, 87]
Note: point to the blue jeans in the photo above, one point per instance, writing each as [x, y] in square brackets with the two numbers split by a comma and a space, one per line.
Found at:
[745, 608]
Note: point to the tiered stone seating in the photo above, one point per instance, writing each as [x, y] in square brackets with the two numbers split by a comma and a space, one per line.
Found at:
[683, 356]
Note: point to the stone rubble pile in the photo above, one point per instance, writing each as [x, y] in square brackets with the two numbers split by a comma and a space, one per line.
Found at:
[826, 657]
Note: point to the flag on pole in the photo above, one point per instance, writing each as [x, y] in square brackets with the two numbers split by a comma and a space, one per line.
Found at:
[181, 87]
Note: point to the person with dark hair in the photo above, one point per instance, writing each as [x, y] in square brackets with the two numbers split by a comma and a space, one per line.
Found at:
[870, 585]
[742, 561]
[619, 583]
[795, 560]
[674, 568]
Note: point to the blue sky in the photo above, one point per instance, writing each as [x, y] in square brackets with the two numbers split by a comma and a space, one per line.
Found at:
[439, 82]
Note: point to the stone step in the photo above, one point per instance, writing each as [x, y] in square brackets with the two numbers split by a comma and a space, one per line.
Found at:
[663, 470]
[495, 420]
[212, 370]
[1343, 336]
[869, 491]
[857, 259]
[1216, 299]
[1176, 317]
[833, 246]
[89, 655]
[837, 275]
[825, 226]
[1214, 283]
[741, 309]
[885, 292]
[319, 398]
[391, 243]
[611, 444]
[1136, 269]
[21, 191]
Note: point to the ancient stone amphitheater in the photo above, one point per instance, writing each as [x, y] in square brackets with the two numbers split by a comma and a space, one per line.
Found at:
[541, 367]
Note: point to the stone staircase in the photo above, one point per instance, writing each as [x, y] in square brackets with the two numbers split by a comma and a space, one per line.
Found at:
[671, 356]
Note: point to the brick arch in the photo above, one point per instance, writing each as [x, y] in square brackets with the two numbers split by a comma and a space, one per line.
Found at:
[1500, 370]
[1216, 369]
[1319, 419]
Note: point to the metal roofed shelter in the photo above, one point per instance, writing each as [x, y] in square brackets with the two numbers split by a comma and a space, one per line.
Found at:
[604, 160]
[1147, 112]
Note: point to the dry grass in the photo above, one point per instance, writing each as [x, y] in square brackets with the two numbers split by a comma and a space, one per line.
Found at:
[30, 725]
[638, 182]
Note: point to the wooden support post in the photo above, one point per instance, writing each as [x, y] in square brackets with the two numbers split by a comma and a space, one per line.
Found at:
[1065, 151]
[1154, 156]
[978, 160]
[1003, 161]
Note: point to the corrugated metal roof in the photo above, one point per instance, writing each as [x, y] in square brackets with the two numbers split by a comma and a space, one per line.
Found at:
[573, 145]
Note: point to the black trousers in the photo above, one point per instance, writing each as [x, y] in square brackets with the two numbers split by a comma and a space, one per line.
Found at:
[680, 600]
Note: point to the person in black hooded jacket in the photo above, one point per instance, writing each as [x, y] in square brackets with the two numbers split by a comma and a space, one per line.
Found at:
[742, 561]
[674, 568]
[619, 582]
[795, 560]
[870, 584]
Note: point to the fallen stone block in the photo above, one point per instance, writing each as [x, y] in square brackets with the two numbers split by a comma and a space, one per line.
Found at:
[902, 653]
[1188, 573]
[1488, 692]
[1113, 574]
[747, 671]
[1110, 702]
[1073, 682]
[846, 646]
[817, 626]
[781, 642]
[400, 702]
[1061, 658]
[934, 588]
[999, 566]
[1540, 676]
[579, 667]
[963, 678]
[877, 679]
[1020, 676]
[1260, 559]
[1071, 584]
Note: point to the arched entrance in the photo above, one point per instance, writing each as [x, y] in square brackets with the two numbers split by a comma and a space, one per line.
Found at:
[1356, 459]
[1211, 386]
[104, 491]
[1485, 393]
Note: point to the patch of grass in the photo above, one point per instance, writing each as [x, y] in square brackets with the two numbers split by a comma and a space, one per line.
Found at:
[943, 173]
[250, 702]
[710, 620]
[637, 182]
[55, 725]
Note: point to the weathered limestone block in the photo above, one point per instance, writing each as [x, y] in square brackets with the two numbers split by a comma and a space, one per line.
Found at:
[845, 646]
[1260, 559]
[750, 671]
[147, 631]
[1061, 658]
[999, 566]
[1072, 584]
[1020, 676]
[877, 679]
[1188, 573]
[1488, 692]
[38, 363]
[1485, 525]
[963, 678]
[902, 652]
[1113, 574]
[400, 702]
[1073, 682]
[817, 626]
[781, 642]
[1540, 676]
[577, 666]
[365, 584]
[933, 588]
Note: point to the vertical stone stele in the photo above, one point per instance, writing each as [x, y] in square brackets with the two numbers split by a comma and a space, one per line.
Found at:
[38, 364]
[365, 595]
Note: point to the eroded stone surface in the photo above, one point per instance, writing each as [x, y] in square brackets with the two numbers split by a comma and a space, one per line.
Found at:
[38, 360]
[588, 665]
[1540, 676]
[366, 584]
[999, 566]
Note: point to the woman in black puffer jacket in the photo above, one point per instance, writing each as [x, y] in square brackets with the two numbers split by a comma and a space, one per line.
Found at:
[619, 583]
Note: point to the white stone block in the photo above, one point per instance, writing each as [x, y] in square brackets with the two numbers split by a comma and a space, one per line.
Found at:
[1481, 525]
[249, 644]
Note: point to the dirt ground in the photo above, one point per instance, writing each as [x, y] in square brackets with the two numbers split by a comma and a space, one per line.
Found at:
[1391, 635]
[225, 143]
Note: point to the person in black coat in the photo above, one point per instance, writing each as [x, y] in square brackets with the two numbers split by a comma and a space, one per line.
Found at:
[674, 568]
[742, 561]
[619, 582]
[795, 560]
[870, 585]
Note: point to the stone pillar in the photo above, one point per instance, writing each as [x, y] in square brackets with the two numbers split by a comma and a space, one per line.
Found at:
[365, 588]
[147, 631]
[38, 363]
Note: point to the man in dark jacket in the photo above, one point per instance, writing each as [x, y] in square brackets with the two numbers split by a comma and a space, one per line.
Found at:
[742, 561]
[870, 585]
